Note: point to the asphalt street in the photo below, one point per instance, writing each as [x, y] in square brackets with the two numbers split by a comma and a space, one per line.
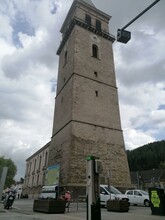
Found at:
[23, 210]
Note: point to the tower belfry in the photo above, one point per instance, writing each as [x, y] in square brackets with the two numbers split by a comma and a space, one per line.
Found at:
[86, 117]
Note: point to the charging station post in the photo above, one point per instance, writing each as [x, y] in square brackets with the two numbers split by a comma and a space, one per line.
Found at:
[94, 168]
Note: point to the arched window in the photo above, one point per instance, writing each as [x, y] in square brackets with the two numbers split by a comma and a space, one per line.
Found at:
[95, 51]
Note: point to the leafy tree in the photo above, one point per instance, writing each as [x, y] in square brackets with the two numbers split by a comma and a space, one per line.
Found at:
[12, 170]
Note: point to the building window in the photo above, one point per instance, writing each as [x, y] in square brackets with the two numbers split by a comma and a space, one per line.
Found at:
[35, 165]
[66, 57]
[46, 158]
[43, 179]
[95, 50]
[98, 25]
[88, 19]
[96, 92]
[33, 181]
[37, 180]
[30, 167]
[95, 73]
[40, 163]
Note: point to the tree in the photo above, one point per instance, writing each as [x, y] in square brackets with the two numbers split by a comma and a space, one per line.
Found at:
[149, 156]
[12, 170]
[162, 165]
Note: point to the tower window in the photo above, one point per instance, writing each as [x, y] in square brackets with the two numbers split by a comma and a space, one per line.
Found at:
[66, 57]
[95, 73]
[95, 50]
[96, 92]
[98, 25]
[88, 19]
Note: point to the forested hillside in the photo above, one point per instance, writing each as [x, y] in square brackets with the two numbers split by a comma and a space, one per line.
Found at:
[150, 156]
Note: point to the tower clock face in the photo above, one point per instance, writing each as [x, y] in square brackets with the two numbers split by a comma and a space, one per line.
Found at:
[95, 38]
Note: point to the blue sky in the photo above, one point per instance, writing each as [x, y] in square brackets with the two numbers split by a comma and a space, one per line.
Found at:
[29, 39]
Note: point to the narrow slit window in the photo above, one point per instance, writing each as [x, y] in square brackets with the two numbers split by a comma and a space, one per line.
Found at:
[66, 57]
[95, 50]
[96, 92]
[95, 73]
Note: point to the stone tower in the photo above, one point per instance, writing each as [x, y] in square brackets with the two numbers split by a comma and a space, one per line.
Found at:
[86, 118]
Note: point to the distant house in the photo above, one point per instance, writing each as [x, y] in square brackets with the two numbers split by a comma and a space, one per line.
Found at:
[148, 178]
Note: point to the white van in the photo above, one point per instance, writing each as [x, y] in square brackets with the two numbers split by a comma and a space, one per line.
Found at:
[49, 192]
[113, 194]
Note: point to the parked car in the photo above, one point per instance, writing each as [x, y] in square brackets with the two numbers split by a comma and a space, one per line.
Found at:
[138, 197]
[112, 193]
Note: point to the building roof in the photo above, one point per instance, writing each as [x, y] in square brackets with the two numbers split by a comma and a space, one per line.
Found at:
[39, 151]
[148, 175]
[163, 176]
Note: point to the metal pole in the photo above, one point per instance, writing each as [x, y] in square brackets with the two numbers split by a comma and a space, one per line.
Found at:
[150, 6]
[2, 180]
[109, 185]
[137, 175]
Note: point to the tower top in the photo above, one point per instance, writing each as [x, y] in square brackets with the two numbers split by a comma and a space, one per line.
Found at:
[86, 3]
[89, 2]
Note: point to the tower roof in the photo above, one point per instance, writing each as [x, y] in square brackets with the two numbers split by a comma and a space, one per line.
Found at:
[89, 2]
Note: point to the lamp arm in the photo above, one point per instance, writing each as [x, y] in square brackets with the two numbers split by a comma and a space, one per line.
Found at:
[139, 15]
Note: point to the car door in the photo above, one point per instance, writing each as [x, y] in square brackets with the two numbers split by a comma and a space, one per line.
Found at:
[130, 196]
[104, 196]
[138, 198]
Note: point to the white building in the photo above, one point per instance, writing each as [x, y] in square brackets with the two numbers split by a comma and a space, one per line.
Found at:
[35, 172]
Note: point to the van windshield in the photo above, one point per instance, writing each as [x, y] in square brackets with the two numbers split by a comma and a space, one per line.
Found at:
[113, 190]
[49, 189]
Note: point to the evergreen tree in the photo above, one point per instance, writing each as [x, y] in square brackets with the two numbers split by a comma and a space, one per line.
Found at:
[149, 156]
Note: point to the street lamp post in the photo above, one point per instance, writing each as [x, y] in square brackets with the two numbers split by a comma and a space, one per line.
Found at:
[124, 36]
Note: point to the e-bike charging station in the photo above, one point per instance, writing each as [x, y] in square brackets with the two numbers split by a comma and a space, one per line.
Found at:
[94, 168]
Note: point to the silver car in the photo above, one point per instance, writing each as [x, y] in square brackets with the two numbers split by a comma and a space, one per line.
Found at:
[138, 197]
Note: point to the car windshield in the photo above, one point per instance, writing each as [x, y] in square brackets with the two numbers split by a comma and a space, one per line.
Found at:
[144, 192]
[113, 190]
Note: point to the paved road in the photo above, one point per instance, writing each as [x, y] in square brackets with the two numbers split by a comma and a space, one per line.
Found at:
[23, 210]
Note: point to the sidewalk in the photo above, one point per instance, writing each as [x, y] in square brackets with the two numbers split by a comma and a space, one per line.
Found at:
[20, 213]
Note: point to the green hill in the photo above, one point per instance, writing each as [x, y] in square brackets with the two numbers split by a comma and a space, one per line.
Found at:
[149, 156]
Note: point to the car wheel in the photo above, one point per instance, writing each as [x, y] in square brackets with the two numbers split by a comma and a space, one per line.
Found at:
[146, 203]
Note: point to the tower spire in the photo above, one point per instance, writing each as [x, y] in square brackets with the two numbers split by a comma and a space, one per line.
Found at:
[89, 2]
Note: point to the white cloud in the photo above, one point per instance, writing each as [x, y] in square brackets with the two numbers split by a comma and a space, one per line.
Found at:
[158, 118]
[135, 138]
[6, 29]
